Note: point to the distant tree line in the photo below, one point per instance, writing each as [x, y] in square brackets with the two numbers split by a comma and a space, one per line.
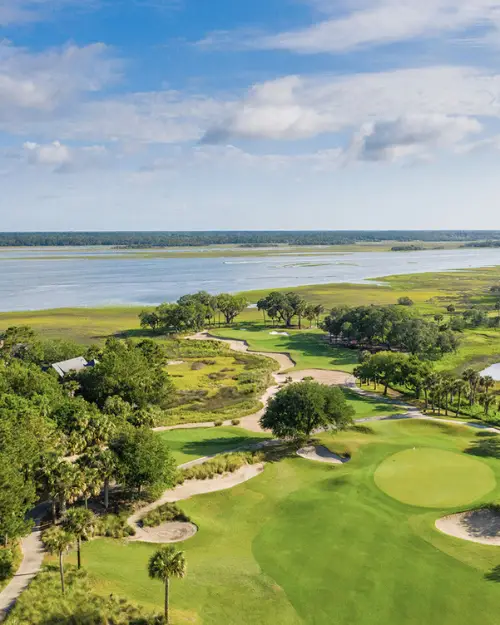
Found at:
[244, 238]
[389, 328]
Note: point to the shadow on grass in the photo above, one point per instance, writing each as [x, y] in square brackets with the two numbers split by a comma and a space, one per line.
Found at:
[485, 448]
[217, 445]
[493, 575]
[363, 429]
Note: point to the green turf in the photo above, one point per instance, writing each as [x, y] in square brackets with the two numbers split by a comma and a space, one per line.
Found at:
[309, 349]
[195, 443]
[308, 543]
[366, 407]
[432, 478]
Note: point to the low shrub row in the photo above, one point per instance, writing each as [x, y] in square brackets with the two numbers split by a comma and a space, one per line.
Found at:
[225, 463]
[164, 514]
[114, 526]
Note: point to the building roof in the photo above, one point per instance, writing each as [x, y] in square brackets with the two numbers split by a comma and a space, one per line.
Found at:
[75, 364]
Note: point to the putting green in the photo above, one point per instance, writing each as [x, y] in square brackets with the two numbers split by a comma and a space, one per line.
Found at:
[432, 478]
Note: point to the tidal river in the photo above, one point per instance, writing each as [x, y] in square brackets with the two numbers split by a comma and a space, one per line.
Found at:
[32, 279]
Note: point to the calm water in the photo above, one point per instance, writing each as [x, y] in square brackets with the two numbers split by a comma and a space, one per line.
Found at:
[28, 282]
[493, 371]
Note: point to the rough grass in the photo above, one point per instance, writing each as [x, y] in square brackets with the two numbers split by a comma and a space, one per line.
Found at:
[267, 551]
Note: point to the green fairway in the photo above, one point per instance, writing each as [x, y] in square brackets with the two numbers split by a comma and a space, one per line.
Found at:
[366, 407]
[309, 349]
[195, 443]
[308, 543]
[433, 478]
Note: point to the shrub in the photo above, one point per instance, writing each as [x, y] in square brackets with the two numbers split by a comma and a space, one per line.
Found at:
[235, 421]
[6, 564]
[164, 514]
[218, 423]
[114, 526]
[225, 463]
[42, 603]
[405, 301]
[209, 362]
[196, 366]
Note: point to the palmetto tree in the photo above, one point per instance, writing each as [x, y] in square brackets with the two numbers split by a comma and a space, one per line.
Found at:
[79, 522]
[167, 562]
[472, 377]
[460, 388]
[58, 541]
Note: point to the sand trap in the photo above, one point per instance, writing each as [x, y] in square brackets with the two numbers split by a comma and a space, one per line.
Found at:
[173, 363]
[478, 526]
[274, 333]
[320, 454]
[323, 376]
[173, 532]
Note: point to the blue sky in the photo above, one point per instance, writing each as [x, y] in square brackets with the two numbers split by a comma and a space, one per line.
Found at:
[270, 114]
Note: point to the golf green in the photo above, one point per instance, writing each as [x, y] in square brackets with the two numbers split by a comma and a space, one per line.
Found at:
[432, 478]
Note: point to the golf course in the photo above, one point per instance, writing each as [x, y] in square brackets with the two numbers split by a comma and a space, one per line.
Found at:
[306, 542]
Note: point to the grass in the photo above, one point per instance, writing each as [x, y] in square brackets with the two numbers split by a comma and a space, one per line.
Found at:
[366, 407]
[432, 478]
[196, 443]
[309, 349]
[307, 543]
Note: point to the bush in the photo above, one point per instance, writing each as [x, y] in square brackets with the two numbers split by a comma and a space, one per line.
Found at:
[114, 526]
[197, 366]
[6, 564]
[164, 514]
[235, 421]
[42, 603]
[218, 423]
[405, 301]
[226, 463]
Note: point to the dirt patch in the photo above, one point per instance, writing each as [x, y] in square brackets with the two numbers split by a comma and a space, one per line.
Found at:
[170, 532]
[478, 526]
[321, 454]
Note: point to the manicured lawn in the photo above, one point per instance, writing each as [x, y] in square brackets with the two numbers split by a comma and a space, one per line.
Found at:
[307, 543]
[190, 444]
[366, 407]
[308, 348]
[433, 478]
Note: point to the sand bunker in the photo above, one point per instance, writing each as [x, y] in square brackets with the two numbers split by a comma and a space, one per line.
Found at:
[479, 526]
[320, 454]
[274, 333]
[174, 363]
[173, 532]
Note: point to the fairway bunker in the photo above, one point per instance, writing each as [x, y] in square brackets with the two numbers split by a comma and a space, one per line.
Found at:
[319, 453]
[171, 532]
[478, 526]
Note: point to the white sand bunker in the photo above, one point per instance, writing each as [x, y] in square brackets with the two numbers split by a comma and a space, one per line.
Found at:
[320, 454]
[174, 363]
[478, 526]
[274, 333]
[172, 532]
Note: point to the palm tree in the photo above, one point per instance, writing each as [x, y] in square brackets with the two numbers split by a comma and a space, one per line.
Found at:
[472, 377]
[167, 562]
[319, 309]
[497, 308]
[460, 387]
[58, 541]
[79, 522]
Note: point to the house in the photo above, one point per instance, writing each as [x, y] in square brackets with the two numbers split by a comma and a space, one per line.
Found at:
[72, 366]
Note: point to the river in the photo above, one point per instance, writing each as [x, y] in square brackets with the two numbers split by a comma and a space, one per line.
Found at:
[34, 278]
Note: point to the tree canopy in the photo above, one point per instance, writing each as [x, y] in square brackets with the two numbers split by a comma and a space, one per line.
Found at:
[299, 409]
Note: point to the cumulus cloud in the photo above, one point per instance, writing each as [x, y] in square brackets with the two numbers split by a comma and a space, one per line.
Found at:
[297, 107]
[409, 137]
[359, 23]
[62, 158]
[45, 81]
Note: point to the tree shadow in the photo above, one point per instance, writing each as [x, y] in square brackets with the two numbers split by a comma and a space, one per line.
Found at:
[493, 575]
[217, 445]
[362, 429]
[485, 448]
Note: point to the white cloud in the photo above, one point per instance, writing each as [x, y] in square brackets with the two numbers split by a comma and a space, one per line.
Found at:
[409, 137]
[45, 81]
[372, 22]
[62, 158]
[297, 107]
